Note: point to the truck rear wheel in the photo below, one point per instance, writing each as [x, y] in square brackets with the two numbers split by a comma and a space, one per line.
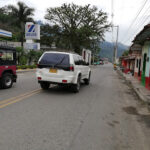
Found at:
[7, 81]
[76, 87]
[87, 81]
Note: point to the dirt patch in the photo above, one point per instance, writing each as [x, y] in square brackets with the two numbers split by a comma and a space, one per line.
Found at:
[130, 110]
[112, 114]
[116, 122]
[141, 117]
[129, 92]
[145, 119]
[111, 124]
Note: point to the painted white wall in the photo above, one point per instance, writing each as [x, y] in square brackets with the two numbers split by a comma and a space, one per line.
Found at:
[146, 49]
[136, 68]
[88, 54]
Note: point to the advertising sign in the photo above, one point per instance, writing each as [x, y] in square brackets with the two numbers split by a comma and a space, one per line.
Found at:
[32, 31]
[32, 46]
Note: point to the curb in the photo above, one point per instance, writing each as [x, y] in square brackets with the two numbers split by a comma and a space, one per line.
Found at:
[27, 70]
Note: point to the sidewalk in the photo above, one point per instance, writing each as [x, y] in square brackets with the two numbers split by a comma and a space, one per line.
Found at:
[141, 91]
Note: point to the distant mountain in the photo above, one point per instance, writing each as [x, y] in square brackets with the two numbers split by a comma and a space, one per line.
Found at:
[107, 49]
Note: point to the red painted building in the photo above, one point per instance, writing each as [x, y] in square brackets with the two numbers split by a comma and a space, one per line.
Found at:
[129, 62]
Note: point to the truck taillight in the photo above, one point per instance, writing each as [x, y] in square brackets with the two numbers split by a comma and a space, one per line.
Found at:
[64, 81]
[39, 78]
[71, 68]
[37, 65]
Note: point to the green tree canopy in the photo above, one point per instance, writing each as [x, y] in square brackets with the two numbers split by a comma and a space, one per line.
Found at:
[125, 53]
[81, 26]
[49, 34]
[21, 14]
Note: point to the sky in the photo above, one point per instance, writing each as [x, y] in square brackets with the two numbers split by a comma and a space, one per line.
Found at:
[125, 12]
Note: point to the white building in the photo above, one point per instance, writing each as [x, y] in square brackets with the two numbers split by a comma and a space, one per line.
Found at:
[86, 54]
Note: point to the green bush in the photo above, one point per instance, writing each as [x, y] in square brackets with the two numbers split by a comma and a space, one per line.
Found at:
[26, 67]
[18, 67]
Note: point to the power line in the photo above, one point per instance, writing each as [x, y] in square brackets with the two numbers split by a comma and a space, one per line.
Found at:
[134, 20]
[146, 19]
[139, 24]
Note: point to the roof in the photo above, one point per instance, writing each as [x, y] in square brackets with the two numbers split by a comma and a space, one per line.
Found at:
[127, 57]
[130, 58]
[143, 35]
[5, 33]
[136, 47]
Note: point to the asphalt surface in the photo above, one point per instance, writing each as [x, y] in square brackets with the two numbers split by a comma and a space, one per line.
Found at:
[106, 115]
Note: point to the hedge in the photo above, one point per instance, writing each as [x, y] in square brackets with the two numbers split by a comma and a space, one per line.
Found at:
[26, 67]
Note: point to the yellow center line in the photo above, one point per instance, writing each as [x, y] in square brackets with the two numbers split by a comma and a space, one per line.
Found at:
[16, 97]
[21, 97]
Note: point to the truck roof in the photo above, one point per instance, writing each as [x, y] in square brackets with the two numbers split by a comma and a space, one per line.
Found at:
[61, 52]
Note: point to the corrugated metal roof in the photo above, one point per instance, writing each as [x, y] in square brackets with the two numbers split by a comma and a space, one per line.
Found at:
[143, 35]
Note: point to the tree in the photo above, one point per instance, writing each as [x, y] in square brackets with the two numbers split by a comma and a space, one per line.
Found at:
[21, 14]
[125, 53]
[31, 56]
[49, 34]
[80, 25]
[20, 54]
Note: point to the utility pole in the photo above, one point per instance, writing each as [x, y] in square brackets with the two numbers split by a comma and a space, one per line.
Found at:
[112, 25]
[116, 46]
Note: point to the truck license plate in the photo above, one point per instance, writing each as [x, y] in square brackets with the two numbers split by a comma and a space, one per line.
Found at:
[53, 70]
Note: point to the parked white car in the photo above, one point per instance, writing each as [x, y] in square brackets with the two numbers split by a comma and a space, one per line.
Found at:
[62, 68]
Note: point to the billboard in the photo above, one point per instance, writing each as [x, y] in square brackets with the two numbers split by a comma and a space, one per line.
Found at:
[32, 31]
[32, 46]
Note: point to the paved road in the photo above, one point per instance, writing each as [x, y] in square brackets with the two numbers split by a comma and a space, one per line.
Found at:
[104, 116]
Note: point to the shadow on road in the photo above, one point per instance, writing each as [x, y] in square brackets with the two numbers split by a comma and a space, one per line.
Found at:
[63, 89]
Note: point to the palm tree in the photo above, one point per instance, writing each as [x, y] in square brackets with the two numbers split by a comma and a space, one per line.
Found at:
[21, 14]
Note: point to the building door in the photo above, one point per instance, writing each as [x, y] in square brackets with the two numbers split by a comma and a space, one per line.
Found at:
[139, 68]
[144, 69]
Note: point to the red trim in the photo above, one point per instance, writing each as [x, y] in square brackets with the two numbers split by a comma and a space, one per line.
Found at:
[147, 82]
[140, 75]
[136, 74]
